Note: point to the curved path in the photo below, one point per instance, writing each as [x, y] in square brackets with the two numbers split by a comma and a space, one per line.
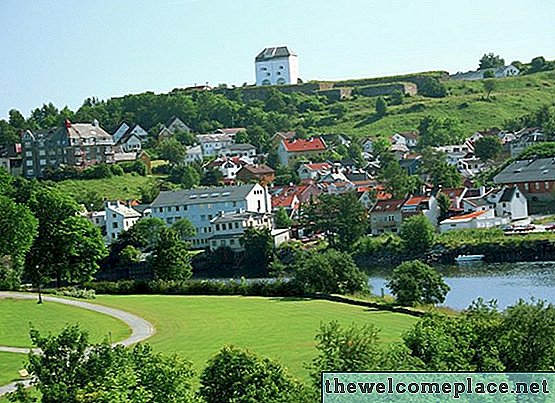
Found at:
[140, 328]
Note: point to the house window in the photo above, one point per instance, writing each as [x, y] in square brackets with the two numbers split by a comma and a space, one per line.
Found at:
[526, 186]
[217, 227]
[43, 162]
[114, 225]
[537, 185]
[30, 172]
[29, 163]
[236, 225]
[176, 208]
[224, 227]
[232, 241]
[28, 153]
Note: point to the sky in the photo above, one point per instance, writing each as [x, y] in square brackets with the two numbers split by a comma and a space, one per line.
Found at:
[63, 51]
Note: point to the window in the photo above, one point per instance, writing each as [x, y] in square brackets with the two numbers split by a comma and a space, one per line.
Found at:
[236, 225]
[28, 153]
[224, 227]
[42, 152]
[232, 241]
[176, 208]
[537, 185]
[29, 163]
[161, 209]
[30, 172]
[526, 186]
[217, 227]
[114, 225]
[42, 162]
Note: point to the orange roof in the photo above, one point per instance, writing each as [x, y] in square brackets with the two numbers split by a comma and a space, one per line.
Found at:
[416, 200]
[319, 166]
[300, 145]
[468, 216]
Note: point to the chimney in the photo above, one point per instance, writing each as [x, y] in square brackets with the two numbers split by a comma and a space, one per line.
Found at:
[67, 124]
[95, 123]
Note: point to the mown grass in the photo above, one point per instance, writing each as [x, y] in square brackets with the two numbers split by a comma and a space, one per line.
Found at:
[115, 188]
[466, 102]
[19, 315]
[10, 364]
[281, 328]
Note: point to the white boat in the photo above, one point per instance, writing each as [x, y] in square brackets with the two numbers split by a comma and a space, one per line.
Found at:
[468, 258]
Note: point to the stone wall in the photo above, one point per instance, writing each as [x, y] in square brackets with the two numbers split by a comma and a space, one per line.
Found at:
[387, 89]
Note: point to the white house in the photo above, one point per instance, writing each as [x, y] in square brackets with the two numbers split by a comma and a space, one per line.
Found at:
[228, 228]
[426, 205]
[276, 66]
[368, 145]
[118, 218]
[239, 150]
[474, 220]
[470, 167]
[201, 205]
[194, 153]
[500, 72]
[454, 153]
[124, 129]
[129, 142]
[526, 138]
[507, 202]
[408, 139]
[213, 144]
[313, 172]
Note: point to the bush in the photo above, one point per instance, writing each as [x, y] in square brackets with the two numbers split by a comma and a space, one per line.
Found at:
[135, 166]
[116, 170]
[415, 283]
[74, 292]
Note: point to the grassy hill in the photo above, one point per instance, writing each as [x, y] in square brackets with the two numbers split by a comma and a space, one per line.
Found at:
[466, 102]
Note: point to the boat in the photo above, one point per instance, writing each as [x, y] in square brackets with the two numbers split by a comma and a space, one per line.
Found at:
[468, 258]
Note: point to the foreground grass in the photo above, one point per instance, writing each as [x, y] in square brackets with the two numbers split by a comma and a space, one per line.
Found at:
[19, 315]
[115, 188]
[281, 328]
[10, 363]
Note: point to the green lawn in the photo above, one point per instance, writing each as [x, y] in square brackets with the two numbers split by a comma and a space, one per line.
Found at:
[18, 316]
[284, 329]
[114, 188]
[10, 363]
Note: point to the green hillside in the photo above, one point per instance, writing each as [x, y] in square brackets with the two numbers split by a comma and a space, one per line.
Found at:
[466, 102]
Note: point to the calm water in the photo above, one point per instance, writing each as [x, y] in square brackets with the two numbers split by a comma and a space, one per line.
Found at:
[504, 282]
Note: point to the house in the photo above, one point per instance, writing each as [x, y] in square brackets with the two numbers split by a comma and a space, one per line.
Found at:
[534, 178]
[411, 163]
[526, 138]
[74, 144]
[194, 153]
[310, 172]
[124, 129]
[260, 173]
[290, 151]
[10, 158]
[426, 205]
[238, 150]
[471, 166]
[400, 151]
[386, 216]
[230, 131]
[201, 205]
[506, 202]
[368, 145]
[129, 142]
[276, 66]
[456, 195]
[228, 228]
[228, 166]
[293, 196]
[279, 136]
[173, 126]
[474, 220]
[500, 72]
[408, 139]
[336, 139]
[213, 144]
[454, 153]
[118, 218]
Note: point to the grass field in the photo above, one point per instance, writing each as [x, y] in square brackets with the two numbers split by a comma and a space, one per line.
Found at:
[283, 329]
[466, 102]
[10, 363]
[18, 316]
[114, 188]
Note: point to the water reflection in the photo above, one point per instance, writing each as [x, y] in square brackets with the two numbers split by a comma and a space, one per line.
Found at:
[504, 282]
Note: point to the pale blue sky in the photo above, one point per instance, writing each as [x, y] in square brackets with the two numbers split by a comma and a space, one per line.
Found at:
[66, 50]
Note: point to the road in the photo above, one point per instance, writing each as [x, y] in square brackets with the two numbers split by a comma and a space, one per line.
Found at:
[140, 328]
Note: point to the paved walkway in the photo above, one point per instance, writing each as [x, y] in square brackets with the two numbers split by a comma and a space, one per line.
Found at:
[140, 328]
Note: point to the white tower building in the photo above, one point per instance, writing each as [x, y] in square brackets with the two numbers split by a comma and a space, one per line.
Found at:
[276, 66]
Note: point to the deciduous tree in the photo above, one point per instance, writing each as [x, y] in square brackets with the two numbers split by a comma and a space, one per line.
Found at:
[417, 233]
[415, 283]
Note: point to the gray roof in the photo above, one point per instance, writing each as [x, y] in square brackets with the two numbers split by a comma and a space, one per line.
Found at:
[232, 217]
[508, 194]
[538, 170]
[241, 147]
[201, 195]
[274, 53]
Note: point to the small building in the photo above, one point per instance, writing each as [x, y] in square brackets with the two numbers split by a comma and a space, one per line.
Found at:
[386, 216]
[230, 131]
[228, 228]
[526, 138]
[313, 172]
[276, 66]
[260, 173]
[194, 153]
[118, 218]
[239, 150]
[173, 126]
[129, 142]
[499, 72]
[408, 139]
[10, 158]
[474, 220]
[368, 145]
[278, 137]
[213, 144]
[454, 153]
[290, 151]
[125, 129]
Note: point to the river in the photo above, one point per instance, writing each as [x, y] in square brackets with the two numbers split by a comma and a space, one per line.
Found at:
[504, 282]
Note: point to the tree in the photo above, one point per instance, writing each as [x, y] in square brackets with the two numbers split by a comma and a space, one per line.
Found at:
[435, 131]
[237, 375]
[259, 248]
[439, 172]
[489, 74]
[342, 217]
[330, 272]
[144, 234]
[212, 177]
[19, 229]
[129, 255]
[185, 175]
[71, 370]
[444, 203]
[171, 259]
[16, 119]
[286, 175]
[488, 148]
[432, 87]
[352, 349]
[489, 86]
[381, 107]
[282, 219]
[537, 64]
[414, 283]
[396, 180]
[541, 150]
[397, 97]
[417, 233]
[491, 61]
[184, 228]
[172, 151]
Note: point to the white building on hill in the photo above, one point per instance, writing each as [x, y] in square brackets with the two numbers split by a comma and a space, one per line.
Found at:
[276, 66]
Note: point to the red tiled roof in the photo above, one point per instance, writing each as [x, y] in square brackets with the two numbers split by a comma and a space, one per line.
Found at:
[388, 206]
[300, 145]
[409, 135]
[284, 201]
[259, 169]
[319, 166]
[468, 216]
[453, 192]
[416, 200]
